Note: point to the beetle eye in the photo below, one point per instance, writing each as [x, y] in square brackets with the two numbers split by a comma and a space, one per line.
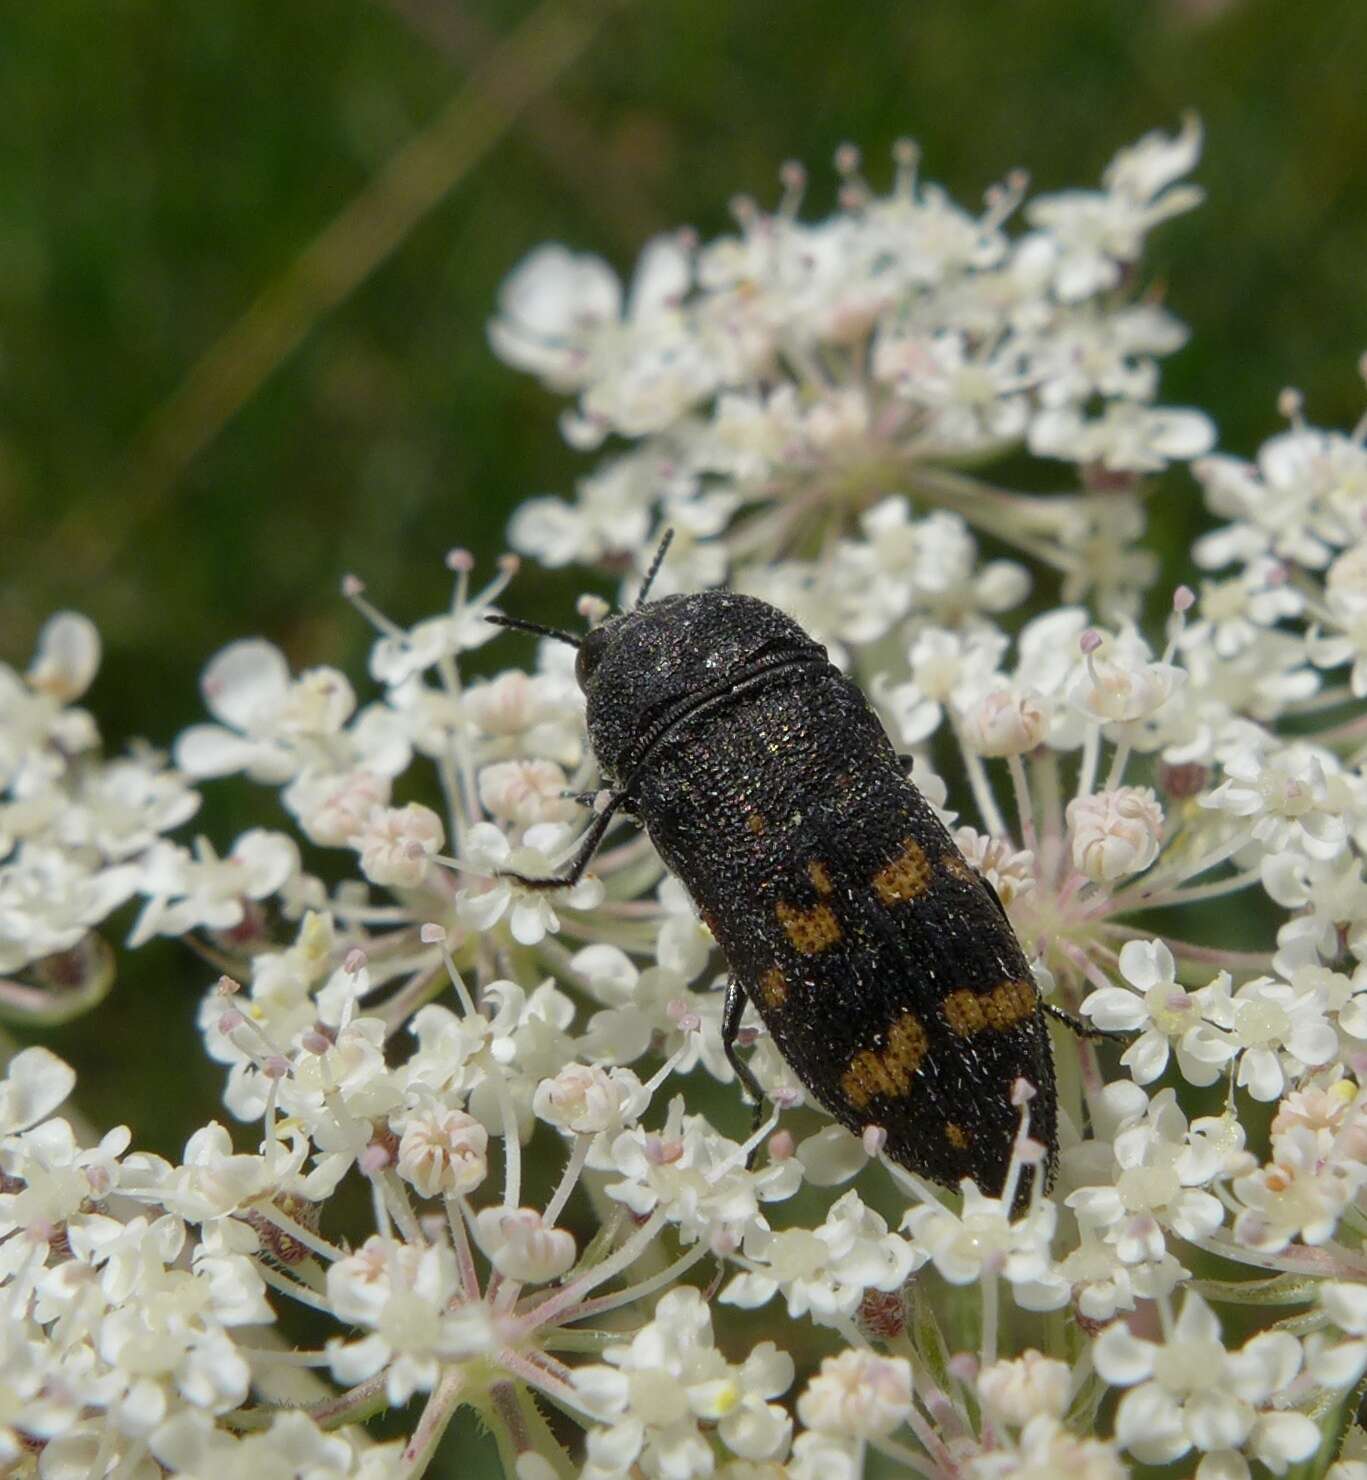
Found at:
[591, 649]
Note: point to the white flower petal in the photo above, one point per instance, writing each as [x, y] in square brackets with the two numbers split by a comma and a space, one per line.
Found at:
[1282, 1439]
[36, 1083]
[1121, 1357]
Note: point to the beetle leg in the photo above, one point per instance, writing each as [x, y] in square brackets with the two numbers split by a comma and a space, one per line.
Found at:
[907, 763]
[732, 1011]
[587, 848]
[589, 800]
[1086, 1030]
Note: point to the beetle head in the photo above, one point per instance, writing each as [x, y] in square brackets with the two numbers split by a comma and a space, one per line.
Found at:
[639, 668]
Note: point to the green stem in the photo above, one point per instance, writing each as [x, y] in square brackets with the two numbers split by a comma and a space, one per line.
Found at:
[519, 1427]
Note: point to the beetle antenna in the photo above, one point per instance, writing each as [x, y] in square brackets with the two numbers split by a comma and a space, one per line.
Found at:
[655, 566]
[520, 625]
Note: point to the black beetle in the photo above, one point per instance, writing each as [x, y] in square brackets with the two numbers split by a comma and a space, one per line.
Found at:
[881, 962]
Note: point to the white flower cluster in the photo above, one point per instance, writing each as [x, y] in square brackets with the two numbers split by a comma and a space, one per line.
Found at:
[518, 1081]
[810, 367]
[121, 1340]
[79, 835]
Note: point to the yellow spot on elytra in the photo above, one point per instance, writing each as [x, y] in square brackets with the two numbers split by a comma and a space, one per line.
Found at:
[964, 1013]
[821, 880]
[1007, 1004]
[906, 876]
[956, 1135]
[810, 930]
[956, 864]
[773, 986]
[890, 1072]
[755, 823]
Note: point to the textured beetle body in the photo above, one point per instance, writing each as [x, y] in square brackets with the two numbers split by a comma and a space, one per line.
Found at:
[880, 961]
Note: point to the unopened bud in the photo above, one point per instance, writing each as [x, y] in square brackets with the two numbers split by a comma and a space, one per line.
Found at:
[1017, 1391]
[397, 843]
[1115, 833]
[374, 1159]
[873, 1139]
[525, 792]
[581, 1098]
[781, 1146]
[443, 1152]
[521, 1247]
[1002, 723]
[858, 1393]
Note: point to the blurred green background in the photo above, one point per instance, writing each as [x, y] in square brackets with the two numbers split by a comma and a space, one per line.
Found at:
[240, 355]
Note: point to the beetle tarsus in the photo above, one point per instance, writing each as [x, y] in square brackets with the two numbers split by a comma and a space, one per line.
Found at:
[1086, 1030]
[732, 1012]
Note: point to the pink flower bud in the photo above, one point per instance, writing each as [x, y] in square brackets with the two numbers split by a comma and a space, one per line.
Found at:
[781, 1146]
[374, 1159]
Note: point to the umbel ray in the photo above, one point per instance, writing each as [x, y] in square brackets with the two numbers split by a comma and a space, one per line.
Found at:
[881, 962]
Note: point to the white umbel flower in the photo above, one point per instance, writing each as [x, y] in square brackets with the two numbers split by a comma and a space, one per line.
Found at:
[1044, 1450]
[1120, 682]
[1190, 1392]
[1115, 833]
[525, 792]
[443, 1152]
[521, 1247]
[1004, 723]
[586, 1099]
[858, 1393]
[1166, 1015]
[397, 844]
[531, 916]
[1015, 1391]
